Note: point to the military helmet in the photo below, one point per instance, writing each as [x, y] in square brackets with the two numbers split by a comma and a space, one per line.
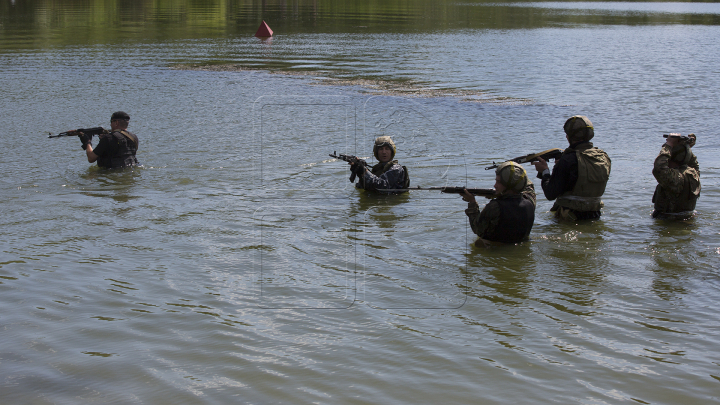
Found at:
[579, 128]
[384, 141]
[120, 115]
[512, 176]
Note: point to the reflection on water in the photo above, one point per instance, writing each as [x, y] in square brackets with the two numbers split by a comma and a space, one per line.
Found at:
[116, 184]
[398, 268]
[674, 257]
[505, 272]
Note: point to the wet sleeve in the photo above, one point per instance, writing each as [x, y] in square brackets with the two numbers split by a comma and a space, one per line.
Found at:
[391, 179]
[563, 178]
[485, 221]
[669, 179]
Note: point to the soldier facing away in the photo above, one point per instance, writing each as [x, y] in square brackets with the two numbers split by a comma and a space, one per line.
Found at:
[116, 148]
[387, 174]
[579, 176]
[677, 172]
[509, 216]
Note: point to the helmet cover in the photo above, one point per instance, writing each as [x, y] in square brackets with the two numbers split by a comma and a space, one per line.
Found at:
[383, 141]
[512, 176]
[579, 128]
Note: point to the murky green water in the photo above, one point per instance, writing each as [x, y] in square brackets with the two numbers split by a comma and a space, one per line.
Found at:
[238, 265]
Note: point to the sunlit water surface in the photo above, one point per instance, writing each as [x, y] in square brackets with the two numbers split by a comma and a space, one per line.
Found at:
[238, 265]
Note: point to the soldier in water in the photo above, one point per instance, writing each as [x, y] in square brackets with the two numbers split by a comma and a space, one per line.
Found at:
[579, 176]
[509, 216]
[677, 172]
[387, 174]
[116, 148]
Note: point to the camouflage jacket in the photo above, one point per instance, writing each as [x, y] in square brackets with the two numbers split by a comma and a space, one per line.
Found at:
[384, 176]
[677, 189]
[489, 222]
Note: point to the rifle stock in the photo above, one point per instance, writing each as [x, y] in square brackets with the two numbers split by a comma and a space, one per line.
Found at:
[545, 155]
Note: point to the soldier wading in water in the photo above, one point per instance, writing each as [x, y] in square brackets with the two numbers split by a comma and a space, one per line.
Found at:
[509, 216]
[579, 176]
[677, 172]
[116, 148]
[387, 174]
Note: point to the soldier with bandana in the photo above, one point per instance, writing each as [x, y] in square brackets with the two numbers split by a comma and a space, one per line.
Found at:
[387, 174]
[579, 176]
[677, 172]
[509, 216]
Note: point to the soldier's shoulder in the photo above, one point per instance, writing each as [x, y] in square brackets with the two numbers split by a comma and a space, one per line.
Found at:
[492, 207]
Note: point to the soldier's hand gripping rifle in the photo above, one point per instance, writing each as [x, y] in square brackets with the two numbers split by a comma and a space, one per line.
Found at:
[85, 134]
[361, 164]
[546, 155]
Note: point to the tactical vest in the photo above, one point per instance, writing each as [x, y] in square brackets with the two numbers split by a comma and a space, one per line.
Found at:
[517, 215]
[379, 169]
[124, 145]
[593, 174]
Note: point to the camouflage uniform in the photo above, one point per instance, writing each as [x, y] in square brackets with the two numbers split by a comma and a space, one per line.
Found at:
[580, 176]
[678, 189]
[384, 176]
[389, 175]
[489, 221]
[509, 217]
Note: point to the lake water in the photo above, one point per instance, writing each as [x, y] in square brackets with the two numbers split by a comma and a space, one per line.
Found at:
[239, 265]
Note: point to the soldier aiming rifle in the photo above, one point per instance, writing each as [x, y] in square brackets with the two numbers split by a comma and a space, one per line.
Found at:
[116, 147]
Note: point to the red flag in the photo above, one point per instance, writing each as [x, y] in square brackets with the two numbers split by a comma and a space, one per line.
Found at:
[264, 31]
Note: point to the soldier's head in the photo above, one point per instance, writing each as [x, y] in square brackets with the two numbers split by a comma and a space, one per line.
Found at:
[681, 152]
[384, 149]
[510, 177]
[578, 128]
[119, 120]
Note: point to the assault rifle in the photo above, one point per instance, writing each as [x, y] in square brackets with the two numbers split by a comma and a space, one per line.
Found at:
[546, 155]
[76, 132]
[690, 139]
[351, 159]
[484, 192]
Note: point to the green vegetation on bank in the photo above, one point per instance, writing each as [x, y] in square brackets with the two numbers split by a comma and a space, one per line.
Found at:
[47, 23]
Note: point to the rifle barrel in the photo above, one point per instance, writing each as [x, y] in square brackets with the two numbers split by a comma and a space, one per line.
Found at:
[87, 131]
[546, 155]
[453, 190]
